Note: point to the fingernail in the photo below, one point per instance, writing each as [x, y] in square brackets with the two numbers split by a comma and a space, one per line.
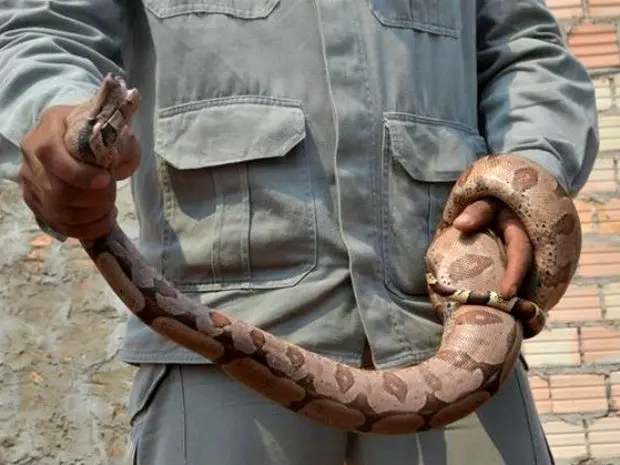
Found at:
[464, 221]
[512, 291]
[100, 181]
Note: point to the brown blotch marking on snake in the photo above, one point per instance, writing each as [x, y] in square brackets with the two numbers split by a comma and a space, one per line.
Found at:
[561, 277]
[468, 266]
[257, 376]
[219, 320]
[459, 409]
[463, 361]
[395, 386]
[361, 403]
[524, 179]
[333, 414]
[431, 379]
[258, 338]
[477, 317]
[344, 378]
[458, 359]
[295, 356]
[307, 382]
[127, 291]
[193, 340]
[400, 423]
[431, 406]
[163, 288]
[565, 225]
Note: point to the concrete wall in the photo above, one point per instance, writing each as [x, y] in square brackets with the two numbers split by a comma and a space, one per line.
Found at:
[62, 389]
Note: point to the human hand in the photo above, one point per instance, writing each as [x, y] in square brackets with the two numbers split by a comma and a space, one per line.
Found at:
[73, 198]
[492, 214]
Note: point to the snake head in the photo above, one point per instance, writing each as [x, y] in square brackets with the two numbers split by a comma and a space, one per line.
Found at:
[94, 128]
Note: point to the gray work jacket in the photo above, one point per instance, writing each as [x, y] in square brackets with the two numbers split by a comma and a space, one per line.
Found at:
[297, 153]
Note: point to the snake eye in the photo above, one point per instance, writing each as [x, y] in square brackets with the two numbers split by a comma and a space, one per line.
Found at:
[108, 134]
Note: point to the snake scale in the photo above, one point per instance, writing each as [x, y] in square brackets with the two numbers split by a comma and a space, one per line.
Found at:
[482, 332]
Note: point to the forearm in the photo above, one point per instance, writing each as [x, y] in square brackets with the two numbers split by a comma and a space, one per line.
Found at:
[535, 98]
[52, 52]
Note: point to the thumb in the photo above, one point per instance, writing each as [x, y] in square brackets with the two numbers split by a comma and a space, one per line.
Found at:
[477, 216]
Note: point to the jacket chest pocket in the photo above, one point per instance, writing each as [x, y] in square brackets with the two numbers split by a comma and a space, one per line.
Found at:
[440, 17]
[243, 9]
[238, 199]
[423, 158]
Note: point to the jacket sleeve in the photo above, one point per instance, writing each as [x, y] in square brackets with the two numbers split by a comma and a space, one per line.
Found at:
[535, 98]
[52, 52]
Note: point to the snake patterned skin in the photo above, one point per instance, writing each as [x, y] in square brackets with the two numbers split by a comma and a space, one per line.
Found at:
[482, 332]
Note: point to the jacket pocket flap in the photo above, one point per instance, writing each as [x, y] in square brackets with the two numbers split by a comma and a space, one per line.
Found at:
[247, 9]
[432, 150]
[225, 131]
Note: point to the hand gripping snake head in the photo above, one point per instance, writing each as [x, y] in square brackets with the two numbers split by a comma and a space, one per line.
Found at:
[96, 127]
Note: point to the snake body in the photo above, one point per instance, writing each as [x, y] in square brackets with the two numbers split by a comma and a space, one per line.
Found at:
[482, 333]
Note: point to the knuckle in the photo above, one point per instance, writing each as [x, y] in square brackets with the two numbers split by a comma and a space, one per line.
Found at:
[23, 172]
[24, 144]
[73, 177]
[58, 195]
[29, 200]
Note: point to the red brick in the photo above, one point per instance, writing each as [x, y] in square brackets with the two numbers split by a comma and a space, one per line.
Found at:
[600, 345]
[611, 298]
[604, 8]
[595, 186]
[609, 131]
[556, 347]
[609, 216]
[565, 9]
[582, 306]
[565, 440]
[541, 394]
[614, 380]
[604, 437]
[604, 94]
[595, 45]
[578, 393]
[599, 260]
[586, 212]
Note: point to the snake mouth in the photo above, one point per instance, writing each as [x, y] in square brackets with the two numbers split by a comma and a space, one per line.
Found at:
[103, 132]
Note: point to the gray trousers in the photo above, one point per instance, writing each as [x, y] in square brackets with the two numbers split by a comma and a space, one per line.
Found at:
[195, 415]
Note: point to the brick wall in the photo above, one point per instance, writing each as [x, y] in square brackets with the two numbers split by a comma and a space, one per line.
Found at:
[575, 363]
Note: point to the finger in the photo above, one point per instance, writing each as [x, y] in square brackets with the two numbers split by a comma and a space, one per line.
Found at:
[29, 186]
[519, 252]
[31, 201]
[81, 216]
[130, 155]
[65, 196]
[90, 231]
[57, 160]
[477, 216]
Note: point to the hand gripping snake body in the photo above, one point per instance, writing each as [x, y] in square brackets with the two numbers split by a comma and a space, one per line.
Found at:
[482, 334]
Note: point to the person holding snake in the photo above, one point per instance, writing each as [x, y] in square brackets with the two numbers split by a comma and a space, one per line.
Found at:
[351, 213]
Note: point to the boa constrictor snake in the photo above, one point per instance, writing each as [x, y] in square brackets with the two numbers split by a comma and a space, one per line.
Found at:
[482, 334]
